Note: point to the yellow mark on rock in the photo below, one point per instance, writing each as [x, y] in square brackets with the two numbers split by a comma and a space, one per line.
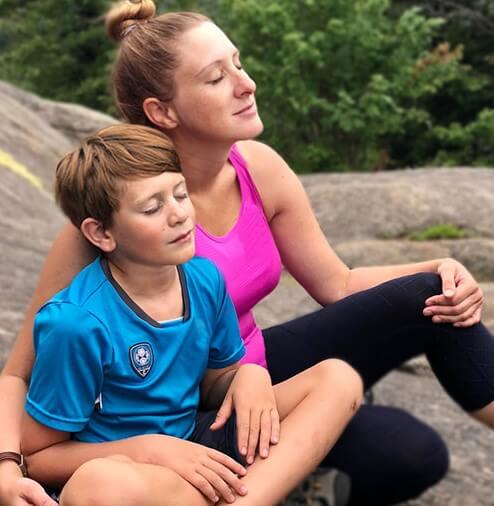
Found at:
[10, 163]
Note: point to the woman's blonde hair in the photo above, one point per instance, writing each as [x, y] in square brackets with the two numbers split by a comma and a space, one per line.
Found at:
[90, 179]
[147, 56]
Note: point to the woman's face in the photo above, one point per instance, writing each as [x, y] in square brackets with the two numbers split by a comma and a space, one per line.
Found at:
[214, 97]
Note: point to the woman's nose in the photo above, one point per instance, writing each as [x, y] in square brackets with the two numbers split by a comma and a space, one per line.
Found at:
[245, 84]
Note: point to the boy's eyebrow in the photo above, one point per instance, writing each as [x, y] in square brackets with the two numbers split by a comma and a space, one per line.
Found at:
[236, 53]
[158, 194]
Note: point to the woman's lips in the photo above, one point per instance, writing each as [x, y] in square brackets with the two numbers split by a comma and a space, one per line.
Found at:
[249, 109]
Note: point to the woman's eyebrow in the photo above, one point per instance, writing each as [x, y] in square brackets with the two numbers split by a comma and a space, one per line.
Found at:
[216, 62]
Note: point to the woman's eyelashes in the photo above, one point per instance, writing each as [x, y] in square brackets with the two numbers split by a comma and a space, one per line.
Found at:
[238, 66]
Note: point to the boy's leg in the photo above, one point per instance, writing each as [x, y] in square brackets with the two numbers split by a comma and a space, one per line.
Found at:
[119, 480]
[329, 391]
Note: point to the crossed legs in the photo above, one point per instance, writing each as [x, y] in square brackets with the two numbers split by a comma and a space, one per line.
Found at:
[329, 392]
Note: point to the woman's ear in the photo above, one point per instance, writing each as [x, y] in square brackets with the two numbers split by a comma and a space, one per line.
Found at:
[96, 234]
[160, 114]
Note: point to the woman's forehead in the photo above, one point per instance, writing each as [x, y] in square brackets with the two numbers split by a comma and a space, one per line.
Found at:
[202, 45]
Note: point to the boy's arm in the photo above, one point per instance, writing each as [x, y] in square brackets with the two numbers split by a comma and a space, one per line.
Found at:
[36, 437]
[215, 385]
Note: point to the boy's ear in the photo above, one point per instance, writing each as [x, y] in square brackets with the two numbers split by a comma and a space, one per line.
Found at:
[96, 234]
[161, 114]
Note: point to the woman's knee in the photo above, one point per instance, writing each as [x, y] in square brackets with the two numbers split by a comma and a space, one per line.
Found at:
[420, 286]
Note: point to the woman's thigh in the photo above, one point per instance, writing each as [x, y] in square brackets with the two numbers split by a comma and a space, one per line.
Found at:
[370, 330]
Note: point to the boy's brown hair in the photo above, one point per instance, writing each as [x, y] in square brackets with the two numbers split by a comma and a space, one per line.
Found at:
[90, 179]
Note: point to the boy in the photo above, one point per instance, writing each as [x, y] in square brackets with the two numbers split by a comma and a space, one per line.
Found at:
[125, 354]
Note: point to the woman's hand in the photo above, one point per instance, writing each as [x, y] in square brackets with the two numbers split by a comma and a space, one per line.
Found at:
[252, 398]
[213, 473]
[15, 490]
[461, 300]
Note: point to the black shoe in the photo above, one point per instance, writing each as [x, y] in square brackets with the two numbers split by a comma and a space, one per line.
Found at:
[324, 487]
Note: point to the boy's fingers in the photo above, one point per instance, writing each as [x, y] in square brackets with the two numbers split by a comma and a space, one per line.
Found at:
[255, 425]
[265, 435]
[223, 414]
[275, 426]
[243, 423]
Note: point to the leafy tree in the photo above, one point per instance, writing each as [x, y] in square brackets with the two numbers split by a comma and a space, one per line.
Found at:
[57, 48]
[463, 113]
[338, 79]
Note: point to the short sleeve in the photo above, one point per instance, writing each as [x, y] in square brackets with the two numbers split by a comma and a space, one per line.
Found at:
[72, 351]
[226, 345]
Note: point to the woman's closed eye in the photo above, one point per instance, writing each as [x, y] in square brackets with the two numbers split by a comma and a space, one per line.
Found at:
[218, 79]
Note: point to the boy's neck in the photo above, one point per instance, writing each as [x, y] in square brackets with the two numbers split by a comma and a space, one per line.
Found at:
[157, 291]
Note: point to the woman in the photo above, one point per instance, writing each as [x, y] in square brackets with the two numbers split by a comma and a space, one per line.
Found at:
[182, 75]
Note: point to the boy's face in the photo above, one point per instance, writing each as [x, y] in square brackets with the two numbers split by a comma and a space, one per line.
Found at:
[155, 223]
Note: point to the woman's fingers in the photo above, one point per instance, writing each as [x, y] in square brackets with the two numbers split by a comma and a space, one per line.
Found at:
[233, 482]
[216, 487]
[454, 314]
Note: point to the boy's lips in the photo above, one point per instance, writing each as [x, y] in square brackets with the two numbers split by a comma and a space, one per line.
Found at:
[182, 238]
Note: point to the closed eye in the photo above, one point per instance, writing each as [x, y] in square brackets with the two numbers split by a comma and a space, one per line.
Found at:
[216, 81]
[153, 210]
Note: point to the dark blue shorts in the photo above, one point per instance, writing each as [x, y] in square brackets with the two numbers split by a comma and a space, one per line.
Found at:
[223, 440]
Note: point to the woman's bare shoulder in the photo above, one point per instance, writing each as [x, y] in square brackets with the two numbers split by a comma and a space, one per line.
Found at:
[269, 172]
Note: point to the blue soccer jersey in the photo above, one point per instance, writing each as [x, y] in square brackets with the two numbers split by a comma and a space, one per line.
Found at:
[104, 370]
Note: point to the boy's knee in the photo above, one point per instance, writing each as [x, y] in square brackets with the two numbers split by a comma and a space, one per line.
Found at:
[336, 375]
[103, 482]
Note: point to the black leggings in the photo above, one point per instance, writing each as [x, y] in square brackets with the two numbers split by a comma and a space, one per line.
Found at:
[390, 455]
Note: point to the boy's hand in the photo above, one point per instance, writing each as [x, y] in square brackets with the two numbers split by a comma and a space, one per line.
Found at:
[252, 398]
[213, 473]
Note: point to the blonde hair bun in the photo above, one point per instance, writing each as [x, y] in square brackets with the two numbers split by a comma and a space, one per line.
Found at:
[123, 15]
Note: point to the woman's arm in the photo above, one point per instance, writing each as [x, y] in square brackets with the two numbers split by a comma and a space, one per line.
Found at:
[306, 254]
[69, 253]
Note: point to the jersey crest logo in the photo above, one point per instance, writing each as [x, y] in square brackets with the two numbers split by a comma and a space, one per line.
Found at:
[141, 358]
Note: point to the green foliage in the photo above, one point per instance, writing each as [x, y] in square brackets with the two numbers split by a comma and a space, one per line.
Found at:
[342, 84]
[460, 111]
[439, 231]
[57, 48]
[338, 78]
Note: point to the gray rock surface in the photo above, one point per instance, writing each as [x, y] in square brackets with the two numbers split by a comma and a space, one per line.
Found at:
[364, 215]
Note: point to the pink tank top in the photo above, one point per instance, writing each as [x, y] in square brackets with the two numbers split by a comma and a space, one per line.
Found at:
[247, 257]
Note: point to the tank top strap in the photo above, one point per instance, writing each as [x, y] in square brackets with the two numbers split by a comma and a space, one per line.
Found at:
[248, 189]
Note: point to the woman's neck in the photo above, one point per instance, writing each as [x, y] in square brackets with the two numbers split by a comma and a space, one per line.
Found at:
[201, 162]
